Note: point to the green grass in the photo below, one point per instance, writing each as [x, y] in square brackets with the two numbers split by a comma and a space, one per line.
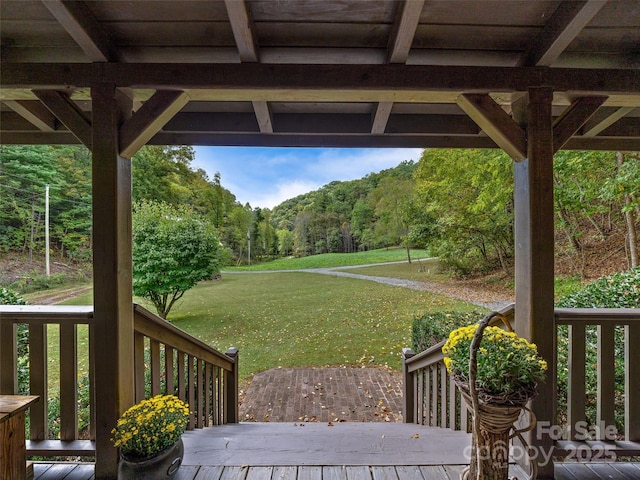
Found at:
[328, 260]
[301, 319]
[427, 270]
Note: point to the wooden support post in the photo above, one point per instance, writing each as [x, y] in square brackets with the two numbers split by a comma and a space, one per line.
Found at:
[112, 280]
[231, 389]
[409, 394]
[534, 249]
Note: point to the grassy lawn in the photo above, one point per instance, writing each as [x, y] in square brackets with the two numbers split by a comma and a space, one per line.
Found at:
[329, 260]
[427, 270]
[303, 319]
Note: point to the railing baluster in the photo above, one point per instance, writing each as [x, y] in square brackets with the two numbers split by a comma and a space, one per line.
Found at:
[68, 381]
[605, 410]
[8, 359]
[426, 386]
[38, 380]
[191, 391]
[92, 382]
[443, 395]
[169, 370]
[453, 405]
[200, 391]
[632, 383]
[154, 347]
[434, 396]
[576, 387]
[182, 392]
[138, 360]
[207, 394]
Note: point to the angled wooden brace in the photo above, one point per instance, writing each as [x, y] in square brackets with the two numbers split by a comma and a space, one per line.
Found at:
[496, 123]
[34, 112]
[66, 110]
[573, 118]
[149, 119]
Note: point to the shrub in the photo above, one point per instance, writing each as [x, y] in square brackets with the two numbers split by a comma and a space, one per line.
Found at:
[620, 290]
[432, 328]
[9, 297]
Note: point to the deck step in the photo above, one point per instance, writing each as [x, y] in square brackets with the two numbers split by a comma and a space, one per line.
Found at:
[339, 443]
[55, 448]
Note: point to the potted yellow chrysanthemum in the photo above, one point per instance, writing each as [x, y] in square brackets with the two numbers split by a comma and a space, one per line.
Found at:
[149, 437]
[497, 373]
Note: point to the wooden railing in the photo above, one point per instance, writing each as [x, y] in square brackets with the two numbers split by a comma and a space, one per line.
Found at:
[167, 360]
[430, 395]
[184, 366]
[614, 336]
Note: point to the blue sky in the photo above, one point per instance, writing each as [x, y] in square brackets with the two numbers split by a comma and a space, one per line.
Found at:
[265, 177]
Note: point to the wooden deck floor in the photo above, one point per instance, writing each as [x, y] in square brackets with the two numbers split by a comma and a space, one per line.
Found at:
[344, 451]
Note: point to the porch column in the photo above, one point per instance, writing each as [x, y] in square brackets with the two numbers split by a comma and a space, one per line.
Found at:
[112, 270]
[534, 251]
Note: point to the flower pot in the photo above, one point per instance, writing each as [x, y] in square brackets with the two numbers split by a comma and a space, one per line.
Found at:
[163, 466]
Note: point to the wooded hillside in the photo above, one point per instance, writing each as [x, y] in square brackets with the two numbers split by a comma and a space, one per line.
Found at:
[457, 203]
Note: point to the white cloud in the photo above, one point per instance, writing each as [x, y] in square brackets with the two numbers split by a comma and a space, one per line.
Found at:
[265, 177]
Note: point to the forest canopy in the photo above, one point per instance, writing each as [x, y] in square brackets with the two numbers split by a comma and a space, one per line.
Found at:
[457, 203]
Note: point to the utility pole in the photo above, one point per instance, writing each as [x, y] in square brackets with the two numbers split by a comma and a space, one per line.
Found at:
[46, 230]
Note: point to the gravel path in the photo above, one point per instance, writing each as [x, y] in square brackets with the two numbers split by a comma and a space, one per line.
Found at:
[483, 299]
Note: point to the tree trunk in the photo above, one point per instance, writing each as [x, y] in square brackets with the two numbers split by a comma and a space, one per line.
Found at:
[632, 235]
[408, 253]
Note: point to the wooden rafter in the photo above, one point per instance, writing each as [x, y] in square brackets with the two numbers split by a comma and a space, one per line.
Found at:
[562, 28]
[149, 119]
[404, 29]
[264, 117]
[400, 41]
[381, 117]
[65, 110]
[573, 118]
[242, 26]
[604, 123]
[496, 123]
[34, 112]
[76, 18]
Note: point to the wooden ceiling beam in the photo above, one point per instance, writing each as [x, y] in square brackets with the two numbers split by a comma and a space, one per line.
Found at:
[243, 30]
[605, 122]
[496, 123]
[76, 18]
[573, 118]
[381, 117]
[65, 110]
[562, 28]
[149, 119]
[404, 30]
[34, 112]
[264, 117]
[409, 83]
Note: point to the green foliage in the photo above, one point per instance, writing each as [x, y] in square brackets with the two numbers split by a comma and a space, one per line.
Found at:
[506, 364]
[620, 290]
[434, 327]
[35, 282]
[173, 249]
[9, 297]
[469, 196]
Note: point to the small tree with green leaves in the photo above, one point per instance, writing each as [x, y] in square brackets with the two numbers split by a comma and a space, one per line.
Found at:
[173, 249]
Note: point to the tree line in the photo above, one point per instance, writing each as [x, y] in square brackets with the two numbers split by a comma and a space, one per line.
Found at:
[457, 203]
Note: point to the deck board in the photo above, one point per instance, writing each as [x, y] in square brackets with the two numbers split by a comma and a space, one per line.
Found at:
[627, 471]
[347, 443]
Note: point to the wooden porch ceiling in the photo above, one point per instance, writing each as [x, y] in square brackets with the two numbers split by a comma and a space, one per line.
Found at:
[378, 73]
